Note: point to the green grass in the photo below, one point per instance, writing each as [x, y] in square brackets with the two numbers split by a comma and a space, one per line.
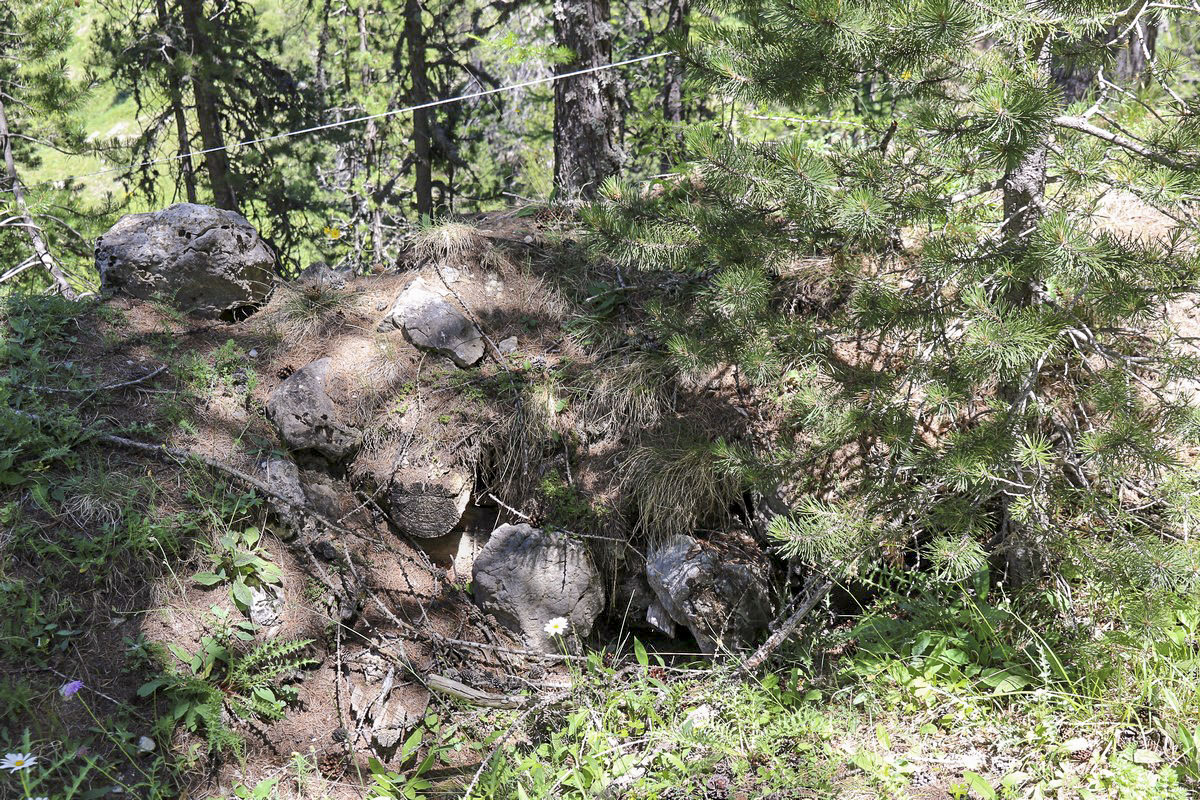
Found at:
[981, 697]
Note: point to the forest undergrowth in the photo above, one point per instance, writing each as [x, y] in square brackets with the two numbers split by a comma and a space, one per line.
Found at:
[900, 684]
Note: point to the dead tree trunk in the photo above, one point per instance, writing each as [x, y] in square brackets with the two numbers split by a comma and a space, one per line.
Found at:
[36, 240]
[208, 113]
[586, 115]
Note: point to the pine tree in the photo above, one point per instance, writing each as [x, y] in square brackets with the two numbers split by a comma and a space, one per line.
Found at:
[917, 277]
[213, 74]
[37, 96]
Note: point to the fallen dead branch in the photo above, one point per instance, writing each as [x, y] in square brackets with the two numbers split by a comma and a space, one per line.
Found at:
[469, 694]
[817, 589]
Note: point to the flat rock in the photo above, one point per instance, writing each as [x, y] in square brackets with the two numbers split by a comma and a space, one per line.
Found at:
[282, 476]
[431, 323]
[526, 577]
[201, 260]
[719, 595]
[305, 416]
[266, 607]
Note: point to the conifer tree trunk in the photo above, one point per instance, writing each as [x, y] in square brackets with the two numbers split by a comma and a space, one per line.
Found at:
[1024, 183]
[208, 114]
[1024, 189]
[677, 23]
[1077, 80]
[36, 240]
[371, 145]
[586, 117]
[175, 98]
[414, 34]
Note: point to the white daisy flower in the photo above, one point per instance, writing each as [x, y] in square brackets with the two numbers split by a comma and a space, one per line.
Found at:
[556, 626]
[15, 762]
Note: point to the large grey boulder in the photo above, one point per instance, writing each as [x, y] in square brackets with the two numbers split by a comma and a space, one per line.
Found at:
[431, 323]
[427, 503]
[305, 417]
[526, 577]
[202, 260]
[719, 595]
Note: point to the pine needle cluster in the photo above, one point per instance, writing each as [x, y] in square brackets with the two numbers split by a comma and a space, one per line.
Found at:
[1001, 366]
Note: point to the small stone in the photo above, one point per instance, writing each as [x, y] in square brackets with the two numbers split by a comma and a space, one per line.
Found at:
[529, 239]
[253, 353]
[305, 417]
[431, 323]
[318, 274]
[325, 551]
[146, 744]
[266, 607]
[507, 346]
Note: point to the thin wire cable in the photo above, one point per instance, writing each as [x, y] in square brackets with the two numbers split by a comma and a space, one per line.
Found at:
[355, 120]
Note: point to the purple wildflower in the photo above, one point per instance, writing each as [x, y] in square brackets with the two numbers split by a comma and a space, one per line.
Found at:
[70, 688]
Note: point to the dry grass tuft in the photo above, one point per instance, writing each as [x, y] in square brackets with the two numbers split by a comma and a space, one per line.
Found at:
[628, 395]
[525, 438]
[96, 496]
[448, 241]
[677, 487]
[311, 308]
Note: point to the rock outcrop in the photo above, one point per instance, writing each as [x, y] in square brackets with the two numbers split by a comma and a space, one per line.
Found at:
[720, 596]
[526, 577]
[431, 323]
[201, 260]
[305, 416]
[427, 503]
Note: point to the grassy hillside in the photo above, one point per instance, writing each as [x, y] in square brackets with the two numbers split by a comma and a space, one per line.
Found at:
[901, 686]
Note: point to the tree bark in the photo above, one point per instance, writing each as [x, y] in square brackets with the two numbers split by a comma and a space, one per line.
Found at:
[175, 98]
[36, 239]
[208, 113]
[586, 116]
[1076, 77]
[672, 102]
[414, 34]
[1024, 188]
[371, 160]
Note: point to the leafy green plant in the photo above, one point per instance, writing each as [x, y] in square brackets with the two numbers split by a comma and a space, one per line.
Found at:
[1188, 742]
[266, 789]
[930, 641]
[236, 559]
[392, 785]
[219, 676]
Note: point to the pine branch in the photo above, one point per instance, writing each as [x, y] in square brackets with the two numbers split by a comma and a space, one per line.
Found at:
[1082, 125]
